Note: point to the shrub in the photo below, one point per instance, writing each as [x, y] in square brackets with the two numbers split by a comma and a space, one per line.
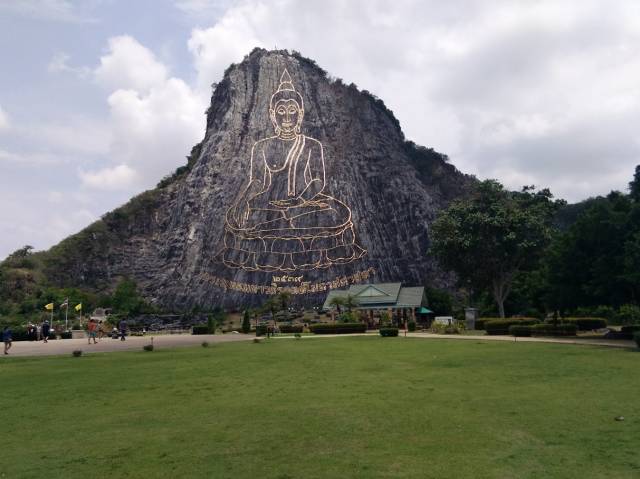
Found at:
[627, 332]
[547, 329]
[287, 328]
[65, 335]
[628, 314]
[338, 328]
[519, 330]
[297, 335]
[246, 322]
[388, 332]
[411, 326]
[204, 344]
[77, 353]
[148, 347]
[439, 328]
[200, 329]
[480, 322]
[501, 326]
[636, 338]
[587, 324]
[261, 330]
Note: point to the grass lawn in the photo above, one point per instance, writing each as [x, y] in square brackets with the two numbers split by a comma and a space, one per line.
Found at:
[363, 407]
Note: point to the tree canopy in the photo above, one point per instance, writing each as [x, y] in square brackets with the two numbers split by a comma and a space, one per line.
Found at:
[492, 236]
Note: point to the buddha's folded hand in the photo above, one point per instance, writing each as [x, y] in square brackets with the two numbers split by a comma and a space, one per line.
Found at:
[289, 203]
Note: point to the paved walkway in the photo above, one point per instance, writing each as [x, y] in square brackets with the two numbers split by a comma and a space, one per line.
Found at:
[66, 346]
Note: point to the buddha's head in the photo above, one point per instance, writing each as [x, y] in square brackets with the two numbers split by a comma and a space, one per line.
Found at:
[286, 108]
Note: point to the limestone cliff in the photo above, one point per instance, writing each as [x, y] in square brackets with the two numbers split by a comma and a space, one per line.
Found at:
[169, 239]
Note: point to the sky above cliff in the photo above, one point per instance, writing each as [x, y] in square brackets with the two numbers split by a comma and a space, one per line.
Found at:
[100, 99]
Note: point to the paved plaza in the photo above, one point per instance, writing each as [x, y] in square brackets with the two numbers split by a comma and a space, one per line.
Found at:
[66, 346]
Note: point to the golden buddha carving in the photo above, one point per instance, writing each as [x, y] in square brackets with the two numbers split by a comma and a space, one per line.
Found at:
[284, 220]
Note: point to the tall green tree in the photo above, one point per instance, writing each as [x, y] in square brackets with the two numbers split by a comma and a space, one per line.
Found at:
[596, 260]
[494, 235]
[634, 186]
[246, 322]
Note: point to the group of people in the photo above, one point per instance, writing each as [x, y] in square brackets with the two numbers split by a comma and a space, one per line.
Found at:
[39, 332]
[34, 333]
[95, 331]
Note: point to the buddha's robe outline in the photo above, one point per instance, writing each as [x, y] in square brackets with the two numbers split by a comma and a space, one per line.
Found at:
[311, 229]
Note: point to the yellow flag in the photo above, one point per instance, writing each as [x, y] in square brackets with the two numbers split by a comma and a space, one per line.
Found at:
[78, 306]
[49, 306]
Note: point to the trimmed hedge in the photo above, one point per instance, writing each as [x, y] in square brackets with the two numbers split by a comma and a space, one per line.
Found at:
[200, 329]
[628, 332]
[520, 331]
[261, 330]
[20, 334]
[547, 329]
[481, 322]
[587, 324]
[501, 326]
[388, 332]
[66, 335]
[338, 328]
[291, 328]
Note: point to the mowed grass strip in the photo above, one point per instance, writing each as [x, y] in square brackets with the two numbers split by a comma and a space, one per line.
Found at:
[363, 407]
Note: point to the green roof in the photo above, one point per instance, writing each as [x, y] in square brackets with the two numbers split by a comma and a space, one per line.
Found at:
[380, 296]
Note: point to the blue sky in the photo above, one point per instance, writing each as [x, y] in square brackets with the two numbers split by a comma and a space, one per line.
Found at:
[99, 99]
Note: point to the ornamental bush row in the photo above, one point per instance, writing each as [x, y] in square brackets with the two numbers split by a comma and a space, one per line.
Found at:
[545, 329]
[586, 324]
[338, 328]
[501, 326]
[388, 332]
[628, 332]
[200, 329]
[20, 334]
[481, 322]
[297, 328]
[520, 331]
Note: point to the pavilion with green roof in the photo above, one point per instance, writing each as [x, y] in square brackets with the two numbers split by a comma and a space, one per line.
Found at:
[402, 301]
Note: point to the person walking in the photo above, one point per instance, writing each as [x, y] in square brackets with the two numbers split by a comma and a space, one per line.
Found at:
[100, 329]
[45, 330]
[122, 326]
[91, 329]
[6, 338]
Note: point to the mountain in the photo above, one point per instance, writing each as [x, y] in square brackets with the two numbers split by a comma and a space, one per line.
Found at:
[301, 182]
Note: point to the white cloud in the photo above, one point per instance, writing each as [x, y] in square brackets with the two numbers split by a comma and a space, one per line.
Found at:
[154, 119]
[129, 65]
[54, 10]
[513, 90]
[4, 119]
[59, 63]
[115, 178]
[202, 9]
[34, 159]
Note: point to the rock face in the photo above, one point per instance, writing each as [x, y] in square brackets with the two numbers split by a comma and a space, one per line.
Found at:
[192, 241]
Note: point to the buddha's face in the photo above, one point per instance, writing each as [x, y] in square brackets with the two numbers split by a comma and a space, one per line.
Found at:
[286, 116]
